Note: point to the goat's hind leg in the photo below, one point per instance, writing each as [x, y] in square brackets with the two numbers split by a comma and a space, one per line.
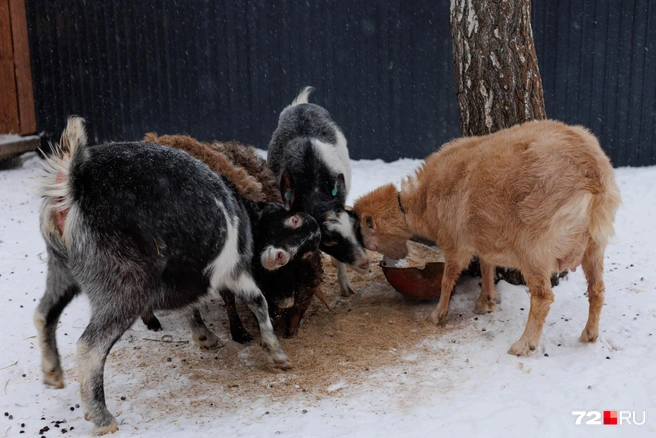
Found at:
[593, 267]
[203, 337]
[61, 288]
[488, 300]
[107, 325]
[539, 285]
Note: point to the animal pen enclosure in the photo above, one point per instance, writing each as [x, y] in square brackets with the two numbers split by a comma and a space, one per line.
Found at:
[223, 70]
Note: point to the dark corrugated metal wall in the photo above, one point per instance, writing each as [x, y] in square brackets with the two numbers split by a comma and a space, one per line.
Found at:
[224, 69]
[598, 64]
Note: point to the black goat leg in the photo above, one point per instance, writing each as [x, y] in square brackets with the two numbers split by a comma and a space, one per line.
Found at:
[237, 330]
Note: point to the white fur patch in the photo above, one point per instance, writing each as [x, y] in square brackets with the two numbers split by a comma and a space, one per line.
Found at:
[342, 225]
[220, 270]
[342, 278]
[244, 286]
[336, 156]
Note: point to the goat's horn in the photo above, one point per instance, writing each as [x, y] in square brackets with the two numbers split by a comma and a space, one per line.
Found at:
[319, 294]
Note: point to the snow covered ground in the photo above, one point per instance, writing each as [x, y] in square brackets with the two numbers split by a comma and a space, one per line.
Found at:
[457, 382]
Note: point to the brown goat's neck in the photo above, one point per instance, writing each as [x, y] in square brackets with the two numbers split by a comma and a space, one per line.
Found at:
[413, 212]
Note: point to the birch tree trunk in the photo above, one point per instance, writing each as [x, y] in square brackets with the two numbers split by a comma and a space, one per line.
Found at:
[498, 81]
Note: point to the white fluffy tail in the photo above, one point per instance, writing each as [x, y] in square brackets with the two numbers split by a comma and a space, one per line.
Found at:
[53, 183]
[602, 210]
[303, 96]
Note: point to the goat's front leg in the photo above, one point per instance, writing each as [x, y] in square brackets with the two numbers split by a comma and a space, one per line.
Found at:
[237, 330]
[488, 300]
[342, 278]
[452, 271]
[245, 287]
[151, 321]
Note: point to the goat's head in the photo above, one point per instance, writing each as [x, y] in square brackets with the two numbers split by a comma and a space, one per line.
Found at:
[340, 237]
[283, 233]
[324, 198]
[382, 222]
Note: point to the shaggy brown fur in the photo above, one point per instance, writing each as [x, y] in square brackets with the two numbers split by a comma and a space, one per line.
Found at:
[539, 197]
[257, 167]
[247, 185]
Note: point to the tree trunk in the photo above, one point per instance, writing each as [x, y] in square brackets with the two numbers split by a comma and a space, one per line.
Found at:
[498, 81]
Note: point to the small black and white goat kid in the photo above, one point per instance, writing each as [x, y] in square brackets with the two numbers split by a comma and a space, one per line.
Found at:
[310, 144]
[139, 227]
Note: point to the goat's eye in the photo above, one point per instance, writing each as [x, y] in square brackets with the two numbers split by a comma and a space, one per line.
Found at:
[329, 243]
[369, 223]
[307, 255]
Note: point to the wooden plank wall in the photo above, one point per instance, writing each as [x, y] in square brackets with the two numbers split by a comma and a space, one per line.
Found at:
[8, 98]
[16, 96]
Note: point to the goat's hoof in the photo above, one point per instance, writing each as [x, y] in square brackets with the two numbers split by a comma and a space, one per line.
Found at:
[208, 342]
[54, 378]
[154, 325]
[104, 430]
[521, 348]
[346, 290]
[437, 318]
[279, 359]
[242, 337]
[589, 336]
[484, 306]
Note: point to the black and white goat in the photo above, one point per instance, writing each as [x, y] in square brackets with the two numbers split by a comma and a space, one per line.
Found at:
[310, 144]
[288, 289]
[138, 227]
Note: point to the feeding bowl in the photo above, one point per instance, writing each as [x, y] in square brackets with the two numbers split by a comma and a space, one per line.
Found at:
[417, 283]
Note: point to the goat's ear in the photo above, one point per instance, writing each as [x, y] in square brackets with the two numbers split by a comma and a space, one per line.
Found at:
[340, 186]
[287, 189]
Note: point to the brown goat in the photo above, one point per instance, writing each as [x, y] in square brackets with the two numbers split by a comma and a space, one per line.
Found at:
[539, 197]
[247, 185]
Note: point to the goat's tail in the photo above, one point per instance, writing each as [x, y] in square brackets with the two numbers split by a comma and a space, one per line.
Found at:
[303, 96]
[603, 208]
[54, 182]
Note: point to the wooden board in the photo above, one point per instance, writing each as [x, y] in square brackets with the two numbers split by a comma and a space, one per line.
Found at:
[14, 145]
[9, 121]
[23, 72]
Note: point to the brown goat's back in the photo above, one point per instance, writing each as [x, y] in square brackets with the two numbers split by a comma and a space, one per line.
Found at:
[534, 190]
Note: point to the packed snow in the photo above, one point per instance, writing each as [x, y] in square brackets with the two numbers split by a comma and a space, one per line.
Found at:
[466, 386]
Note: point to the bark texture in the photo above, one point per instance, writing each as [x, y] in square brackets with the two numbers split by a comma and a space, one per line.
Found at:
[498, 82]
[497, 78]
